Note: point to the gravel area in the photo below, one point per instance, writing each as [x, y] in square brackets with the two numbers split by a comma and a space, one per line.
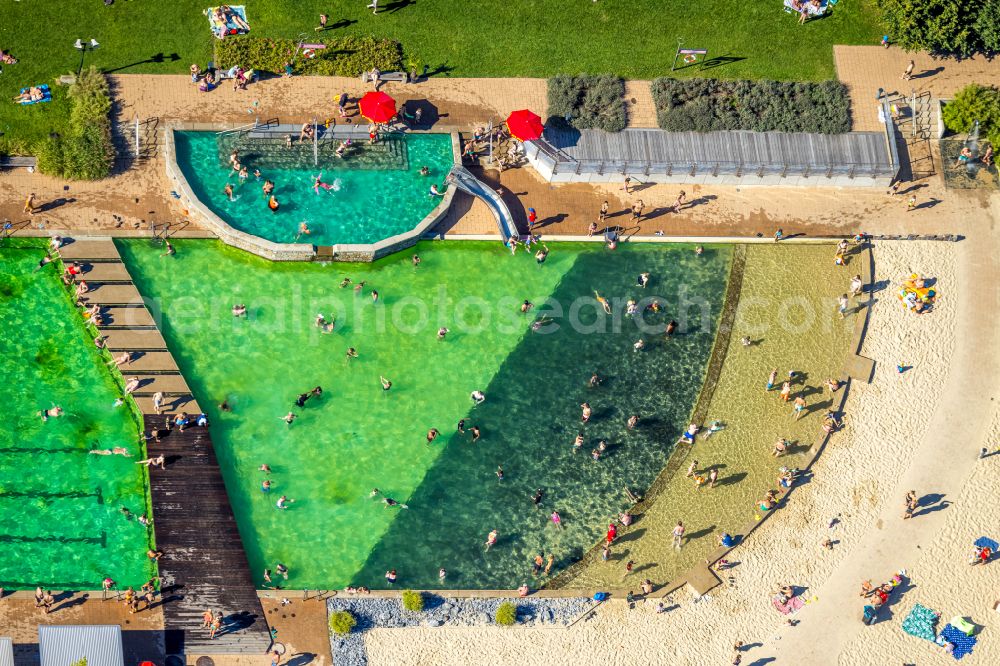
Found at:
[382, 613]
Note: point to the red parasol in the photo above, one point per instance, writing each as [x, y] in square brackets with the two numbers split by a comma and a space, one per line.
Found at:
[377, 107]
[525, 125]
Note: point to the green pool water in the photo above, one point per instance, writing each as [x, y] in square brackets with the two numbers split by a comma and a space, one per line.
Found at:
[357, 437]
[60, 520]
[375, 192]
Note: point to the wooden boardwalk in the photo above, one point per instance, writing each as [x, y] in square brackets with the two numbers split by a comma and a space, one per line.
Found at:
[204, 565]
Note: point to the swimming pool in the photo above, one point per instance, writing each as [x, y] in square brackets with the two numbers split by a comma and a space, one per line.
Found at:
[357, 437]
[373, 193]
[61, 524]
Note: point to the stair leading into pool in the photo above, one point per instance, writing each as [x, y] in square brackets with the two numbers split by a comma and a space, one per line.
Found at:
[204, 566]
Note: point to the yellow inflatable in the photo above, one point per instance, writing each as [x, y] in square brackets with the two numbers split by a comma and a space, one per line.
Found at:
[915, 295]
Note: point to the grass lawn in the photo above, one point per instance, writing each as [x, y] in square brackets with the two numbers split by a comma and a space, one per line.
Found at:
[485, 38]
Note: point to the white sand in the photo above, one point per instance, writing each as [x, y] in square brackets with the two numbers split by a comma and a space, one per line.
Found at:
[855, 478]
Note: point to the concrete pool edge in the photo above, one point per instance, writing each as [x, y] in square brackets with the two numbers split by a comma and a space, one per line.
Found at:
[355, 252]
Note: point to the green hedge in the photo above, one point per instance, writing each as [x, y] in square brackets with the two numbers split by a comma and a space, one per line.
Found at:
[413, 601]
[344, 56]
[707, 105]
[587, 102]
[86, 151]
[975, 102]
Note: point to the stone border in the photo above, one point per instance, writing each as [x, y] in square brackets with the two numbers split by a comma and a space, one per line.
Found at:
[291, 251]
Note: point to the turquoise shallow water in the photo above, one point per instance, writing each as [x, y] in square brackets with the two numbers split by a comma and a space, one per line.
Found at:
[357, 437]
[362, 205]
[61, 524]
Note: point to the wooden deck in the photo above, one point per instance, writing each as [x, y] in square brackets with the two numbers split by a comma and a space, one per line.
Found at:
[204, 565]
[738, 149]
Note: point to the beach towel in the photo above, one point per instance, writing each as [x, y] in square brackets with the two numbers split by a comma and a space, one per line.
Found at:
[986, 542]
[46, 95]
[790, 606]
[220, 30]
[963, 644]
[920, 622]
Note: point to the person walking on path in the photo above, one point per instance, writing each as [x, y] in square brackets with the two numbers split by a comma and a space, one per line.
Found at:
[857, 284]
[691, 468]
[909, 504]
[628, 568]
[208, 616]
[216, 625]
[911, 203]
[603, 215]
[29, 204]
[628, 181]
[908, 73]
[679, 203]
[637, 210]
[799, 407]
[48, 601]
[678, 535]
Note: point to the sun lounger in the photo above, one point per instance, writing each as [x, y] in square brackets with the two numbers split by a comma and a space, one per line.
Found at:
[221, 30]
[46, 95]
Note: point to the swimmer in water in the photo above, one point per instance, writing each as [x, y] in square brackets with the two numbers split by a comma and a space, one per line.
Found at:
[359, 286]
[388, 501]
[386, 384]
[318, 183]
[603, 301]
[303, 230]
[117, 451]
[442, 332]
[268, 187]
[351, 353]
[432, 435]
[228, 191]
[51, 413]
[346, 281]
[273, 204]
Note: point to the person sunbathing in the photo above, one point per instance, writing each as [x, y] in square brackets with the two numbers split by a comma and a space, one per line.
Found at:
[7, 59]
[224, 14]
[32, 94]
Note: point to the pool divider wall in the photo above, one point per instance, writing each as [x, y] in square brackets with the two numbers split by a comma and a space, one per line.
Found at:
[293, 251]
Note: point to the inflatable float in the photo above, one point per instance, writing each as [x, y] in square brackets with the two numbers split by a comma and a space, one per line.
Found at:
[915, 295]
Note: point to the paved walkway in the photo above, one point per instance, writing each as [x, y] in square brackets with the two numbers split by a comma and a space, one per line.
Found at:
[941, 463]
[865, 69]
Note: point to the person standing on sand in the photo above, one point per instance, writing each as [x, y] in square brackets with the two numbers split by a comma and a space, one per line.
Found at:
[628, 568]
[910, 504]
[911, 203]
[548, 563]
[773, 377]
[786, 391]
[628, 181]
[603, 215]
[678, 533]
[681, 198]
[691, 468]
[29, 204]
[637, 210]
[800, 407]
[908, 73]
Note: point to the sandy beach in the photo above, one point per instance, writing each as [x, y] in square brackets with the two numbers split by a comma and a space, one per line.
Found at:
[854, 480]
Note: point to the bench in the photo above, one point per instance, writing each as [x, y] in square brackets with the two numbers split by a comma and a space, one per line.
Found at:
[386, 77]
[18, 162]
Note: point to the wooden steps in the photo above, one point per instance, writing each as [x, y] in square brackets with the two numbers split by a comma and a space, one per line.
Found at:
[120, 317]
[204, 565]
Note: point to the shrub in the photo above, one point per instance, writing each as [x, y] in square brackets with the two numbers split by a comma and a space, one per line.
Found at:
[506, 614]
[341, 622]
[587, 102]
[413, 601]
[706, 105]
[343, 56]
[87, 151]
[975, 102]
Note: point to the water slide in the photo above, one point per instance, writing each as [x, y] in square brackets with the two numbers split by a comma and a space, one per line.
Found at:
[463, 179]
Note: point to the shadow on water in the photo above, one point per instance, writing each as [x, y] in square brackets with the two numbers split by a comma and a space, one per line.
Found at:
[529, 421]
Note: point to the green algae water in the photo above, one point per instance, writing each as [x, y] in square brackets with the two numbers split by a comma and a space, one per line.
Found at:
[357, 437]
[374, 193]
[61, 524]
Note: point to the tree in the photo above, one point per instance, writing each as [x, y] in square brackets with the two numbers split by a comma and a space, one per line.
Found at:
[975, 102]
[932, 25]
[987, 25]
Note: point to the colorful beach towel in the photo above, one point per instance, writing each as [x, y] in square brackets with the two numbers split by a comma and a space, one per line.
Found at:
[230, 27]
[920, 622]
[986, 542]
[963, 644]
[46, 95]
[790, 606]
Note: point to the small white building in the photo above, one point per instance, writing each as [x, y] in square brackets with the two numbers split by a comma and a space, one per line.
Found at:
[6, 652]
[65, 645]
